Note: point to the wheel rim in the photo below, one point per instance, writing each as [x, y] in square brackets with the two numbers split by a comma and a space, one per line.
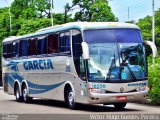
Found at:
[25, 93]
[71, 97]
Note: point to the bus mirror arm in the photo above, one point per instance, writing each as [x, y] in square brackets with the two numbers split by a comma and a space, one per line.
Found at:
[153, 47]
[85, 50]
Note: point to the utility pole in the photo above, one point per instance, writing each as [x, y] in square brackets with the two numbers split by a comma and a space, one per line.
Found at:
[65, 14]
[10, 17]
[128, 13]
[52, 12]
[153, 26]
[153, 22]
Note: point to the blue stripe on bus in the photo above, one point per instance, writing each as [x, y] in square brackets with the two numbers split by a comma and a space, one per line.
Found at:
[9, 80]
[33, 88]
[36, 89]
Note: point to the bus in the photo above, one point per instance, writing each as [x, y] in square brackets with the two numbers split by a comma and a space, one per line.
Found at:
[79, 62]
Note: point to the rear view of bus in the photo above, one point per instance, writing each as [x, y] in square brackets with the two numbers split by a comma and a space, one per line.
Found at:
[117, 67]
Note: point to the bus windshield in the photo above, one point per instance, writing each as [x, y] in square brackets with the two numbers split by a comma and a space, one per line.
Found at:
[116, 55]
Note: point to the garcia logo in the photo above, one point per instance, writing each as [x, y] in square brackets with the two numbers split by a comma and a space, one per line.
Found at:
[137, 84]
[38, 65]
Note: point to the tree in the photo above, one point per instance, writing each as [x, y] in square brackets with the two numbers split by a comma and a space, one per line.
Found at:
[42, 8]
[146, 27]
[4, 23]
[93, 10]
[59, 18]
[30, 26]
[30, 9]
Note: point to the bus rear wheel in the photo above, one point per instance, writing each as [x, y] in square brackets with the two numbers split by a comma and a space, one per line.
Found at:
[26, 98]
[70, 99]
[17, 94]
[120, 106]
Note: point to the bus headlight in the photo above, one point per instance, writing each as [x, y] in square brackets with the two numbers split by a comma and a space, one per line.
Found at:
[142, 88]
[92, 90]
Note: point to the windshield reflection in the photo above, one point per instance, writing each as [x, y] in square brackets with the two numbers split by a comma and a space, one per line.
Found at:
[133, 61]
[113, 58]
[102, 58]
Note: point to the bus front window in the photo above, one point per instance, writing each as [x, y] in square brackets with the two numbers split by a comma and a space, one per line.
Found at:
[133, 61]
[102, 60]
[115, 55]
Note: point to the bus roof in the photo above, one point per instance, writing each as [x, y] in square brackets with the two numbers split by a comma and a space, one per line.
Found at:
[77, 25]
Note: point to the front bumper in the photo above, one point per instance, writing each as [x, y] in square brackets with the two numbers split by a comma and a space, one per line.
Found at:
[110, 98]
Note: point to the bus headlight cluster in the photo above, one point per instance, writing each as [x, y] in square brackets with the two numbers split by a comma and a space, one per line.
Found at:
[92, 90]
[142, 88]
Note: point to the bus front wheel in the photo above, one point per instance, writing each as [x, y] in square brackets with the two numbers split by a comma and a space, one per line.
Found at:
[120, 106]
[70, 99]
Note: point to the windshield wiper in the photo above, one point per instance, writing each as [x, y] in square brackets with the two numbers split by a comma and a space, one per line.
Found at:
[128, 67]
[131, 72]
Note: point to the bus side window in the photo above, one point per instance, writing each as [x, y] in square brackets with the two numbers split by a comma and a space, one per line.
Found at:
[9, 50]
[64, 43]
[5, 51]
[14, 49]
[52, 43]
[32, 46]
[23, 48]
[42, 45]
[77, 53]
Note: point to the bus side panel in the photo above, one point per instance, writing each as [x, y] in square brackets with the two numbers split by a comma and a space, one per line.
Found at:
[58, 77]
[7, 79]
[81, 91]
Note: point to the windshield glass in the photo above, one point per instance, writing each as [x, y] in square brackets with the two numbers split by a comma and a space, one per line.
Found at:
[115, 54]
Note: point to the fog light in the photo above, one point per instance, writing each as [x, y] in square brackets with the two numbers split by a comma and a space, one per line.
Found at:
[142, 88]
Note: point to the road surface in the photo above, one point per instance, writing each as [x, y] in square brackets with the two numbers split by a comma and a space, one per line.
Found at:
[8, 105]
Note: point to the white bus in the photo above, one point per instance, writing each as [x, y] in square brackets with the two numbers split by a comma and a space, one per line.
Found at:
[81, 62]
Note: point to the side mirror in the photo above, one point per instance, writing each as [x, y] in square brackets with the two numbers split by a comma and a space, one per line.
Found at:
[85, 50]
[153, 47]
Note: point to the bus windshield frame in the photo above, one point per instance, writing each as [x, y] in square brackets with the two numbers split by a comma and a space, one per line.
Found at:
[116, 55]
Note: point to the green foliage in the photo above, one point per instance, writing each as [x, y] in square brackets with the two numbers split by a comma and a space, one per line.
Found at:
[93, 11]
[145, 25]
[30, 26]
[101, 11]
[154, 81]
[29, 9]
[4, 26]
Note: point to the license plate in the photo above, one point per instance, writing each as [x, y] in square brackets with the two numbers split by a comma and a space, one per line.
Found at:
[121, 98]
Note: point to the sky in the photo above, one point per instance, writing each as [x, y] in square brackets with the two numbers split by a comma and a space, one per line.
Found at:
[124, 10]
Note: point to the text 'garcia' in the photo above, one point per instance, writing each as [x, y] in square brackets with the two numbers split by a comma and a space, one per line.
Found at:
[38, 65]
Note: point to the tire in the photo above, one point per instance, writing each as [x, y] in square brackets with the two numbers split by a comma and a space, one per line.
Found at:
[26, 98]
[120, 106]
[17, 94]
[70, 99]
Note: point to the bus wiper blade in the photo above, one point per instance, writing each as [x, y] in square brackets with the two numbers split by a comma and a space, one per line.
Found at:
[131, 72]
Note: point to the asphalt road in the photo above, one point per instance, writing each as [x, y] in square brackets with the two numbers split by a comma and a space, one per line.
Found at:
[38, 106]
